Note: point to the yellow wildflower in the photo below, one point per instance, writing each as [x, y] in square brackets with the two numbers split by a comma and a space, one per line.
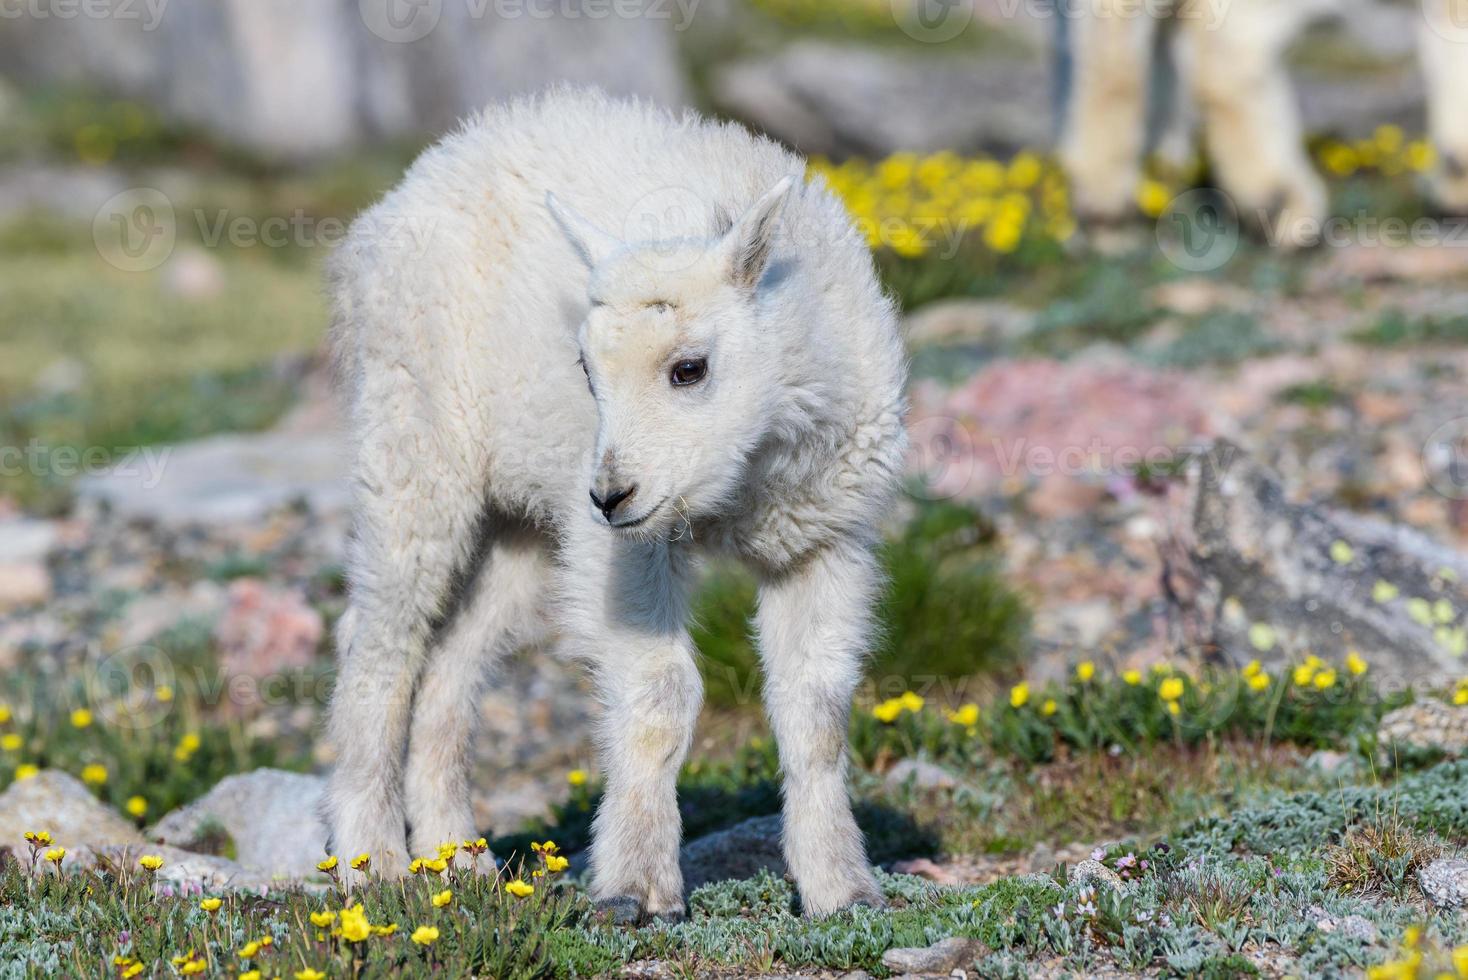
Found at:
[554, 862]
[1132, 676]
[912, 702]
[323, 918]
[136, 806]
[1355, 664]
[55, 855]
[81, 718]
[437, 865]
[1174, 709]
[329, 864]
[447, 850]
[1325, 679]
[355, 927]
[248, 951]
[26, 770]
[1384, 592]
[163, 693]
[4, 714]
[250, 975]
[309, 974]
[193, 967]
[1019, 695]
[576, 777]
[1049, 707]
[210, 904]
[519, 889]
[38, 838]
[1170, 689]
[1303, 675]
[1460, 696]
[442, 898]
[1258, 682]
[94, 774]
[888, 711]
[133, 969]
[967, 716]
[1085, 670]
[386, 930]
[150, 862]
[1153, 198]
[425, 935]
[11, 742]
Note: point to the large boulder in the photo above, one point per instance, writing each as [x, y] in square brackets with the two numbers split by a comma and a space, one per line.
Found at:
[833, 99]
[295, 80]
[61, 805]
[1250, 573]
[270, 816]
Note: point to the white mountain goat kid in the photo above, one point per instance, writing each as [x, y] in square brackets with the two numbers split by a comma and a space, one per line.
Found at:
[742, 394]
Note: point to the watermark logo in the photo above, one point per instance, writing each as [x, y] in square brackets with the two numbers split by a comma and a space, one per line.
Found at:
[1199, 231]
[1445, 459]
[401, 21]
[123, 687]
[149, 12]
[136, 231]
[1448, 19]
[932, 21]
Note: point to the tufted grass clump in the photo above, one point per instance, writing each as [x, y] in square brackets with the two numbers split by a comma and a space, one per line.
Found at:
[1380, 854]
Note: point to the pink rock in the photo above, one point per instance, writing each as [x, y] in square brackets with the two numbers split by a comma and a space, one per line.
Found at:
[266, 631]
[1018, 425]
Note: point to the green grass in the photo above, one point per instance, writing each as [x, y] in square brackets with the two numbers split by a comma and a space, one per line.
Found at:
[947, 612]
[1397, 329]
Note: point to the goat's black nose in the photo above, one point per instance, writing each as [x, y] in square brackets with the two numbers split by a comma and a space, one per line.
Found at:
[608, 505]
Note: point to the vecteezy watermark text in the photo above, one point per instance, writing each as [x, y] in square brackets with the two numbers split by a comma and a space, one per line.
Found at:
[38, 459]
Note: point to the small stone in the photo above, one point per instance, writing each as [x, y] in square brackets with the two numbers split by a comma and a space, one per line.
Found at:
[1445, 882]
[920, 775]
[1327, 761]
[24, 583]
[61, 805]
[1093, 872]
[941, 957]
[926, 868]
[1426, 726]
[1359, 928]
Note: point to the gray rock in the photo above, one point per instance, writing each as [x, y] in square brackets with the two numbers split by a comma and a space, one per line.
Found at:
[182, 873]
[292, 80]
[27, 540]
[919, 774]
[226, 479]
[941, 957]
[738, 852]
[269, 814]
[1092, 872]
[1445, 882]
[833, 99]
[1425, 726]
[1359, 928]
[61, 805]
[1253, 574]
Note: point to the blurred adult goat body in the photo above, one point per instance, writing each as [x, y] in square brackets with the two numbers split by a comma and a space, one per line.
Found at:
[585, 341]
[1231, 60]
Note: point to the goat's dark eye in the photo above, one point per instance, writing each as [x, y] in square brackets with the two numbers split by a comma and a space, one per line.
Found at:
[689, 372]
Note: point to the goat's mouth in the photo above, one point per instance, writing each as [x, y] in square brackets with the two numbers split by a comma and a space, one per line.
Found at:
[638, 521]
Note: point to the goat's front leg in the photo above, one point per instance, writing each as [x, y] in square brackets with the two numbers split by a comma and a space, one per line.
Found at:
[629, 618]
[814, 628]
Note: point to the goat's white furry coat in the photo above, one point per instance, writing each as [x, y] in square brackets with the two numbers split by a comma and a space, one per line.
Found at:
[573, 232]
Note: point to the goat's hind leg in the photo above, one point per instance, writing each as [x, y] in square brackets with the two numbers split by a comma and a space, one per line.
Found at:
[415, 526]
[497, 612]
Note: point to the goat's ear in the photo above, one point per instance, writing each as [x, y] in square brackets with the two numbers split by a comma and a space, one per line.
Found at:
[745, 249]
[589, 241]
